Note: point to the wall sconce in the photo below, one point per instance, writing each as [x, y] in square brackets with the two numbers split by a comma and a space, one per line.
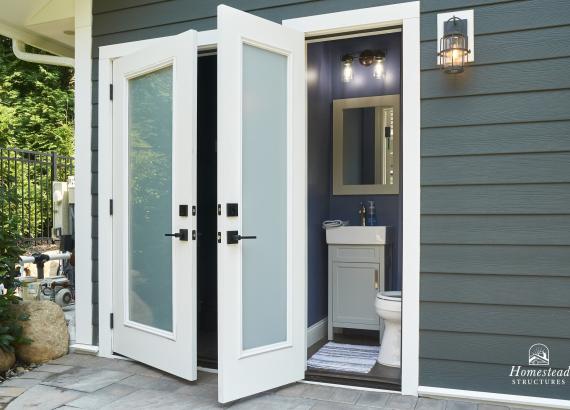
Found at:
[453, 46]
[455, 33]
[366, 58]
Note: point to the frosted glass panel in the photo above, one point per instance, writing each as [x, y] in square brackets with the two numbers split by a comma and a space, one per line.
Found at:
[150, 199]
[264, 197]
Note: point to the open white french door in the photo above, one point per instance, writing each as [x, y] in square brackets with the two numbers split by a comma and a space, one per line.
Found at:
[262, 176]
[154, 190]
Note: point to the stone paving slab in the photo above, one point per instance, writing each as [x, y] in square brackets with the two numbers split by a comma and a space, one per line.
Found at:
[152, 399]
[275, 402]
[35, 374]
[54, 368]
[102, 397]
[79, 381]
[85, 380]
[140, 381]
[42, 397]
[7, 391]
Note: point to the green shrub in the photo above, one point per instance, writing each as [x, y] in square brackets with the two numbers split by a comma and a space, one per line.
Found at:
[10, 319]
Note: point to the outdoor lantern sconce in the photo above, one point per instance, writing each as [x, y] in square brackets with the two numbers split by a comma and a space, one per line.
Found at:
[455, 31]
[453, 49]
[367, 58]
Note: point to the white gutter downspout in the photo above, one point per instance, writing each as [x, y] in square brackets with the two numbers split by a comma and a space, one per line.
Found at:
[19, 49]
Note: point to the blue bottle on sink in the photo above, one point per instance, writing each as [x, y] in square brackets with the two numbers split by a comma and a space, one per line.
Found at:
[371, 214]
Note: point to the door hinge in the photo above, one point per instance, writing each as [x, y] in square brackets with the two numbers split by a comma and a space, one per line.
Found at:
[111, 92]
[219, 237]
[111, 320]
[193, 210]
[110, 207]
[219, 209]
[194, 235]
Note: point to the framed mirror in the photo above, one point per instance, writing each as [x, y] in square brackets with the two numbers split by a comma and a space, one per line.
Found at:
[366, 145]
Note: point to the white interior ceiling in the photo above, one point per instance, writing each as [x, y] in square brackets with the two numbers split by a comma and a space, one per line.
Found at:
[46, 24]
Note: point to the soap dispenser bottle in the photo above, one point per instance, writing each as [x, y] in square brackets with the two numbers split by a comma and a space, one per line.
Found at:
[371, 214]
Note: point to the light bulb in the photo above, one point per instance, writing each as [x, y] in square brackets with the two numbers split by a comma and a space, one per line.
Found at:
[379, 68]
[347, 71]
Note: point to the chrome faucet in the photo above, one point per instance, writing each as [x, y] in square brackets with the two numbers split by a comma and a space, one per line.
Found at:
[362, 214]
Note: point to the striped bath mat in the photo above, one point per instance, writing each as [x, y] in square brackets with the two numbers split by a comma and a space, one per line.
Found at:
[344, 358]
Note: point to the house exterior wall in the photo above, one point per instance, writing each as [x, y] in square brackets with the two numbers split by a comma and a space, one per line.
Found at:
[495, 176]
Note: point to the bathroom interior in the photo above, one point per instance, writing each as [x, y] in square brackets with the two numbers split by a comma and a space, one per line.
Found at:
[354, 177]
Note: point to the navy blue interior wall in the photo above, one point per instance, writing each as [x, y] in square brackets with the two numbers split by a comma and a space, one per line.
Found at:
[325, 85]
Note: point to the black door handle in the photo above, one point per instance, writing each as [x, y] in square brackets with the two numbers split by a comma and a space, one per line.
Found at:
[234, 237]
[182, 234]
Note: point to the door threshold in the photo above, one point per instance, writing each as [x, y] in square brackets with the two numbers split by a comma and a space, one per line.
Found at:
[350, 387]
[348, 380]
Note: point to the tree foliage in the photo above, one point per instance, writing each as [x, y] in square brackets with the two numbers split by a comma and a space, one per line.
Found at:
[36, 104]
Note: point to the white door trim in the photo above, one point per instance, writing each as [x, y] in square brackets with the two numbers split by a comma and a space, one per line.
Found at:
[107, 54]
[407, 15]
[497, 398]
[83, 286]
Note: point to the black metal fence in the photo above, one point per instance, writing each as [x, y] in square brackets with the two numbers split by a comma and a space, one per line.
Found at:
[28, 177]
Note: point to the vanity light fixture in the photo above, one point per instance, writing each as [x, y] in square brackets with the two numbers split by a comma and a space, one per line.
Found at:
[347, 68]
[454, 49]
[378, 67]
[366, 58]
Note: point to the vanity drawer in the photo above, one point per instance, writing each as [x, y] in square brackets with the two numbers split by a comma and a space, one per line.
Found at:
[356, 253]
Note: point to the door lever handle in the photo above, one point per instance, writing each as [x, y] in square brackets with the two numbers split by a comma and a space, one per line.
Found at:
[234, 237]
[182, 234]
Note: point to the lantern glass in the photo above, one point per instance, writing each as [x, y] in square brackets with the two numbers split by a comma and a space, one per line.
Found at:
[347, 70]
[378, 68]
[453, 54]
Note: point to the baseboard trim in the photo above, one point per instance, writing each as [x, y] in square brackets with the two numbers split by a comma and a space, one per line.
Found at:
[317, 332]
[497, 398]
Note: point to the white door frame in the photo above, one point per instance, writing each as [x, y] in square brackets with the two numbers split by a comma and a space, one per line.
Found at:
[206, 39]
[405, 14]
[408, 16]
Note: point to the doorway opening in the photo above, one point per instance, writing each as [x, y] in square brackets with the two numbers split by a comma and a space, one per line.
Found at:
[363, 138]
[207, 246]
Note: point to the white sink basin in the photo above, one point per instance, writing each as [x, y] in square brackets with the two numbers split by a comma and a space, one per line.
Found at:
[358, 235]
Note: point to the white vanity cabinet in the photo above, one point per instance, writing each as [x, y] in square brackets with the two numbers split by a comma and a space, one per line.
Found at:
[356, 273]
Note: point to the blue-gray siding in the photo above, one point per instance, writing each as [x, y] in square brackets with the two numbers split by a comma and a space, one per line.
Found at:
[495, 255]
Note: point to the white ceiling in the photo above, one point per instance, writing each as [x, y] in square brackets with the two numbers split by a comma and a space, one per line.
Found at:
[41, 23]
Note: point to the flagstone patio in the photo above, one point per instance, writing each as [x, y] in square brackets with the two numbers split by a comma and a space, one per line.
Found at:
[79, 381]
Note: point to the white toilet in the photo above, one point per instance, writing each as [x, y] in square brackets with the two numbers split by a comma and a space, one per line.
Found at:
[389, 307]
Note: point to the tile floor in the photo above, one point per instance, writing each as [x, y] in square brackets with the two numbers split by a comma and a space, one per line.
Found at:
[78, 381]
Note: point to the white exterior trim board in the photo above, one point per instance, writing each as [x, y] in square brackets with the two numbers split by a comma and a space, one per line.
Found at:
[498, 398]
[83, 241]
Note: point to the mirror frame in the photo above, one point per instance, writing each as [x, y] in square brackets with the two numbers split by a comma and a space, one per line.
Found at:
[383, 101]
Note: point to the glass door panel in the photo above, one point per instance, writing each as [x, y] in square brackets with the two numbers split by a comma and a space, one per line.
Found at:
[150, 199]
[264, 197]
